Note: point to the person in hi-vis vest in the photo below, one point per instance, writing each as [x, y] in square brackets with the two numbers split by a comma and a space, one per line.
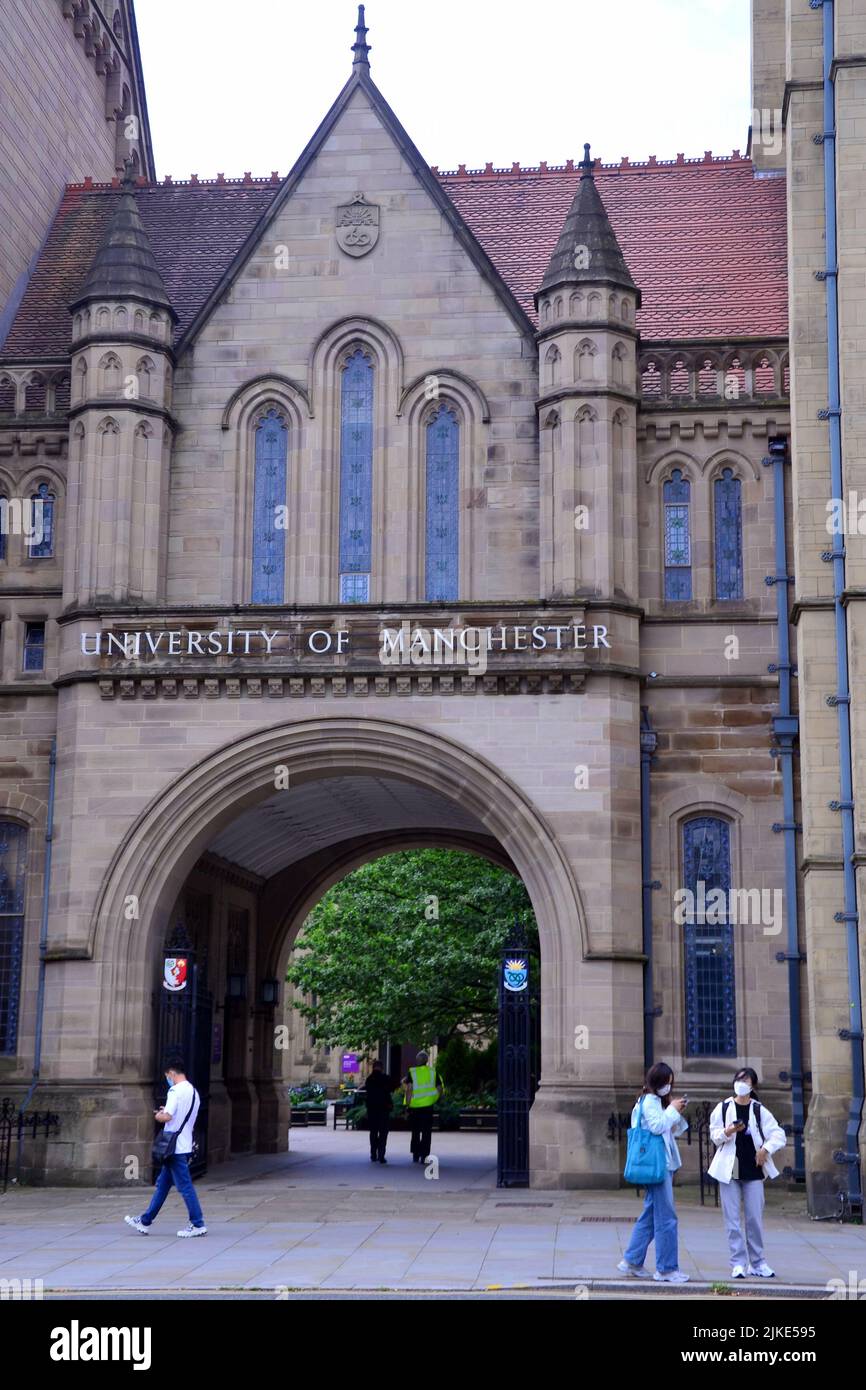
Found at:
[422, 1090]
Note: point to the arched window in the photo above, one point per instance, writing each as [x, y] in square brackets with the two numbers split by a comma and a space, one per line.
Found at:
[109, 374]
[61, 394]
[585, 365]
[727, 498]
[42, 543]
[269, 502]
[81, 380]
[552, 360]
[356, 477]
[36, 394]
[13, 868]
[442, 579]
[679, 377]
[678, 544]
[711, 1022]
[651, 379]
[5, 521]
[145, 370]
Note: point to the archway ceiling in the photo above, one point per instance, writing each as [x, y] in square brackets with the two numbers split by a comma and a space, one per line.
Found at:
[303, 820]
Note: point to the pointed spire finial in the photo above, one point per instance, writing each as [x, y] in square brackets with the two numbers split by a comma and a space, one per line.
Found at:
[587, 164]
[360, 47]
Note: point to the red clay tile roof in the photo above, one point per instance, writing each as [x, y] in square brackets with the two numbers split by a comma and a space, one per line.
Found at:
[704, 240]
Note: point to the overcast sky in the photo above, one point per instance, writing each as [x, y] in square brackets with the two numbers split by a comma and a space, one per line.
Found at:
[235, 87]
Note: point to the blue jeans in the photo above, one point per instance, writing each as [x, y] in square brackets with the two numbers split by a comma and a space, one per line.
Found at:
[658, 1222]
[174, 1170]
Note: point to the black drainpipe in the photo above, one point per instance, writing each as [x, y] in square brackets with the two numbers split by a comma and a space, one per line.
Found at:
[785, 730]
[648, 743]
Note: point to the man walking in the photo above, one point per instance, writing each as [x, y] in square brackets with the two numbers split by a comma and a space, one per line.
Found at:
[378, 1090]
[179, 1116]
[423, 1089]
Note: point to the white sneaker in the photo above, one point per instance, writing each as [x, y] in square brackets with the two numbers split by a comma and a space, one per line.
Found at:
[189, 1231]
[135, 1223]
[673, 1276]
[738, 1272]
[761, 1271]
[636, 1271]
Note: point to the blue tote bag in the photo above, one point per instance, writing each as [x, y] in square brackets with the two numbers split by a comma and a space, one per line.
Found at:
[646, 1158]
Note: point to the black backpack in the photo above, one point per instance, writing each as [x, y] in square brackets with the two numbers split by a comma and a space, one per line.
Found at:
[757, 1105]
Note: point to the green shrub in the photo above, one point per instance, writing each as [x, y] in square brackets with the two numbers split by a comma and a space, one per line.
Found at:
[468, 1069]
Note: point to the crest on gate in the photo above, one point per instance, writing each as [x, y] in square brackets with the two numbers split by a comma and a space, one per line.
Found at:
[357, 226]
[515, 975]
[174, 973]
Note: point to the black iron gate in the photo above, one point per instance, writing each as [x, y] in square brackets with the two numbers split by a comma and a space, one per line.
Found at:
[519, 1060]
[185, 1029]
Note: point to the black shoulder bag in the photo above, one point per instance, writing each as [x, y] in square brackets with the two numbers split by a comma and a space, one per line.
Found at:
[164, 1144]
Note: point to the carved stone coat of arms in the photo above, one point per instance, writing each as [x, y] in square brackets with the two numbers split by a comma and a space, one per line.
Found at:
[357, 226]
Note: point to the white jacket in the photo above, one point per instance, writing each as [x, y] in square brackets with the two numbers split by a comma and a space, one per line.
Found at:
[726, 1113]
[664, 1120]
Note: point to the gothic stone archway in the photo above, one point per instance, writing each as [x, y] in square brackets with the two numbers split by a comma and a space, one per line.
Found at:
[161, 849]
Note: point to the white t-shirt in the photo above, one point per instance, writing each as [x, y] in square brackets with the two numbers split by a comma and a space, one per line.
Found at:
[177, 1103]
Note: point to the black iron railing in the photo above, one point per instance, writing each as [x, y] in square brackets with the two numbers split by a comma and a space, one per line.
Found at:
[13, 1122]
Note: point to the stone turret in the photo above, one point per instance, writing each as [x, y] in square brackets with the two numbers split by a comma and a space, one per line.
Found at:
[588, 407]
[120, 425]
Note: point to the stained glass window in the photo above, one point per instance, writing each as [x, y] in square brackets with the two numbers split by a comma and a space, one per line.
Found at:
[42, 520]
[356, 478]
[354, 588]
[729, 536]
[711, 1023]
[269, 509]
[443, 489]
[678, 544]
[13, 864]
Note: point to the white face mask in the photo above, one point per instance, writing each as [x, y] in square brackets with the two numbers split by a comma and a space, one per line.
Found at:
[742, 1088]
[663, 1090]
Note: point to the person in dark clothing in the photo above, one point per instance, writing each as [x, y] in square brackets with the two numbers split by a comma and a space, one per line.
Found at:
[378, 1088]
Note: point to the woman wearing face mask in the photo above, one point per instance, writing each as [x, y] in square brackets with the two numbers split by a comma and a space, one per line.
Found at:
[745, 1135]
[660, 1114]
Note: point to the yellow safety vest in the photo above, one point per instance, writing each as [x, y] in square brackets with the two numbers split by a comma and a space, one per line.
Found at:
[424, 1090]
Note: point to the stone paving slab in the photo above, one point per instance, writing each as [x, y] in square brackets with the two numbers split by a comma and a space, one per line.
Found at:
[284, 1221]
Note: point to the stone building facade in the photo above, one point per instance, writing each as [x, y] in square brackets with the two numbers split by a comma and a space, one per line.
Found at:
[72, 105]
[393, 507]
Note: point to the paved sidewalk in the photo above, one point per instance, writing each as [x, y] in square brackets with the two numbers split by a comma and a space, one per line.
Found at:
[324, 1217]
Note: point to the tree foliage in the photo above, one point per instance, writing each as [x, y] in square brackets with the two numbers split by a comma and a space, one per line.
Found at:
[407, 948]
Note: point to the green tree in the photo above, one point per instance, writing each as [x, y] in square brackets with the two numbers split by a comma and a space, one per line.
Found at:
[407, 947]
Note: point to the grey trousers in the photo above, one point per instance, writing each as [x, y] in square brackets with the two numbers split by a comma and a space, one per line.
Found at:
[752, 1194]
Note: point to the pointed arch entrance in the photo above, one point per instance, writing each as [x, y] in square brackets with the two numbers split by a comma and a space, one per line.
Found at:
[292, 808]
